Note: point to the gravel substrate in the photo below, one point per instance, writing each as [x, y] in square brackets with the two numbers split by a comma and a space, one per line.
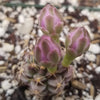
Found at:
[19, 29]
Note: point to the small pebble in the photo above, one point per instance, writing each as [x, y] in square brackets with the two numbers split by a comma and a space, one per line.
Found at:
[79, 58]
[2, 62]
[7, 47]
[88, 85]
[2, 31]
[90, 56]
[40, 33]
[97, 70]
[5, 85]
[71, 9]
[26, 27]
[17, 49]
[73, 2]
[19, 8]
[14, 83]
[5, 24]
[9, 92]
[21, 19]
[89, 67]
[79, 75]
[90, 76]
[94, 48]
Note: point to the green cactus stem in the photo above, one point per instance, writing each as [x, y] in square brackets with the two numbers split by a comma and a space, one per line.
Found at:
[67, 60]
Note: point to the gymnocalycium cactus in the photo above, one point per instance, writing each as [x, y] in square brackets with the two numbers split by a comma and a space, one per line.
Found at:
[43, 67]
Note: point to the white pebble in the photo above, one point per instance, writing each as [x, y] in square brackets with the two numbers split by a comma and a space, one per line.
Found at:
[40, 32]
[71, 9]
[94, 48]
[26, 27]
[10, 92]
[89, 67]
[97, 70]
[62, 9]
[21, 19]
[90, 76]
[17, 49]
[14, 83]
[73, 2]
[6, 85]
[97, 97]
[32, 11]
[88, 85]
[5, 24]
[19, 8]
[79, 58]
[13, 14]
[7, 47]
[84, 93]
[34, 42]
[2, 62]
[54, 2]
[90, 56]
[85, 12]
[79, 75]
[94, 65]
[26, 37]
[2, 31]
[2, 16]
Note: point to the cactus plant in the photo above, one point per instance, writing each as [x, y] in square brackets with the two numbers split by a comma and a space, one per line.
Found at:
[43, 68]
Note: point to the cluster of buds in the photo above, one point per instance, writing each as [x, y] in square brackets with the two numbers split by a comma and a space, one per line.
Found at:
[47, 69]
[51, 23]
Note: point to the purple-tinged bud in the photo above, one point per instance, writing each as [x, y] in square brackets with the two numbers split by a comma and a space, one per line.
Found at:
[47, 53]
[50, 20]
[77, 42]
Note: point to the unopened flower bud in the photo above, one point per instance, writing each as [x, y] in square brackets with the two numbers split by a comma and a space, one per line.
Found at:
[77, 42]
[47, 53]
[50, 20]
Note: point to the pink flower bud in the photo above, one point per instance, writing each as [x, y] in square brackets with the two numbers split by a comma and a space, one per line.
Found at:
[77, 41]
[47, 52]
[50, 20]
